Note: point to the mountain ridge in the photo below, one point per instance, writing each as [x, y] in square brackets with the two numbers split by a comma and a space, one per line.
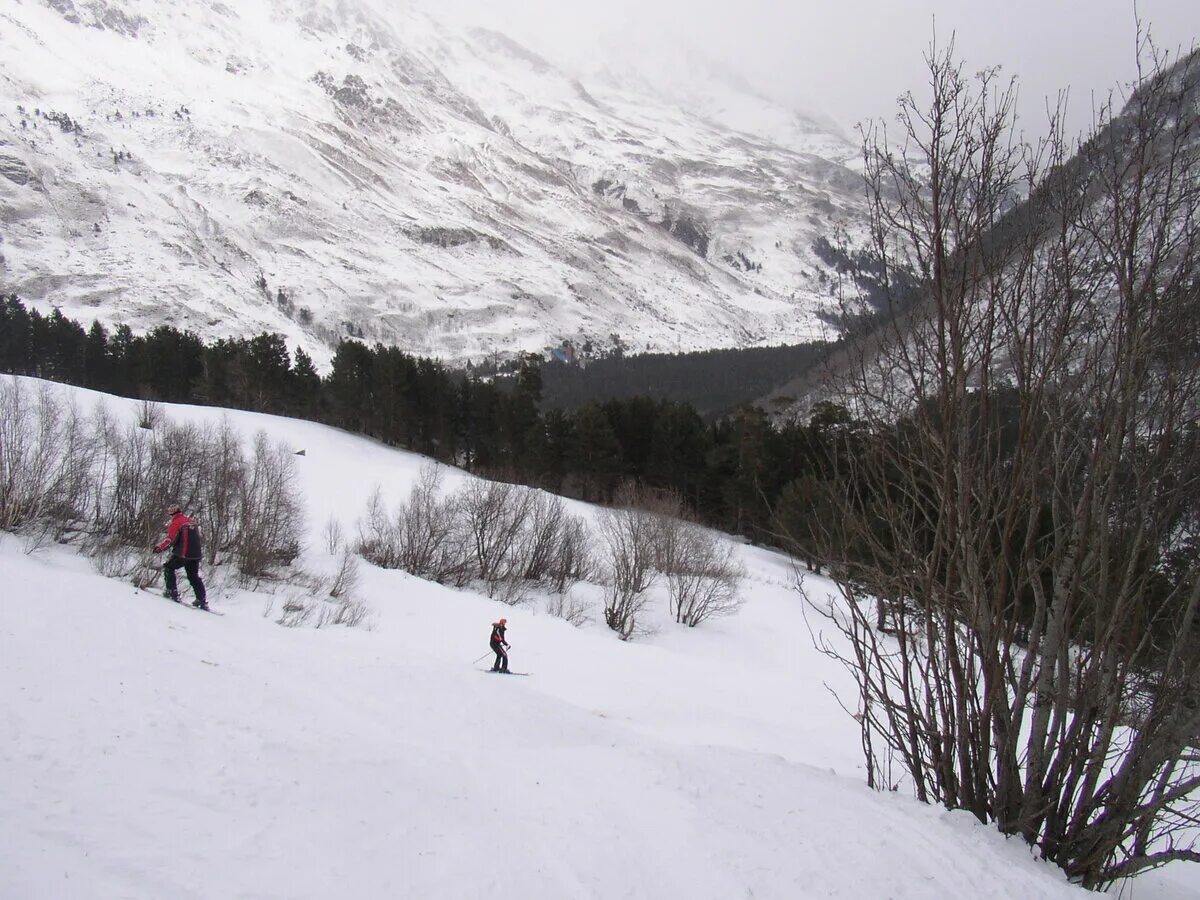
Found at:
[389, 178]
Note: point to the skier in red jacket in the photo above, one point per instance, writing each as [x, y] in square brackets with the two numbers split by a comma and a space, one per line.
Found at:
[183, 537]
[499, 646]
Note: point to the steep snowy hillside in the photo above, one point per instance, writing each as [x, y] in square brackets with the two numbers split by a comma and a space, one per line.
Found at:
[153, 751]
[324, 169]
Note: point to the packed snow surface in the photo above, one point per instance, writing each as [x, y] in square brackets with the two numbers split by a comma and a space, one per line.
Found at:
[149, 750]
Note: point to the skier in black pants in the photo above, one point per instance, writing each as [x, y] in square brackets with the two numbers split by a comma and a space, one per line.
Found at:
[499, 645]
[183, 537]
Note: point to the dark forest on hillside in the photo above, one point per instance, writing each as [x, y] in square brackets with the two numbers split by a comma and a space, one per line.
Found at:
[714, 382]
[735, 472]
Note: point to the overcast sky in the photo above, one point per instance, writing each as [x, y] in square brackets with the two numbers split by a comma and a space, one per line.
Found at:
[850, 59]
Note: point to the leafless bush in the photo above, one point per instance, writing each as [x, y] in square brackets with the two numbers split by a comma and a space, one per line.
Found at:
[332, 532]
[568, 608]
[63, 475]
[668, 518]
[545, 518]
[344, 611]
[248, 509]
[628, 534]
[1025, 492]
[506, 536]
[177, 466]
[150, 415]
[702, 576]
[346, 578]
[295, 611]
[432, 534]
[511, 589]
[378, 534]
[494, 515]
[315, 605]
[71, 479]
[223, 492]
[424, 537]
[122, 507]
[271, 523]
[32, 453]
[573, 560]
[112, 557]
[554, 544]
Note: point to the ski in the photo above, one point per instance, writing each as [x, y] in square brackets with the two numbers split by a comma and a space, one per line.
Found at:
[510, 672]
[209, 609]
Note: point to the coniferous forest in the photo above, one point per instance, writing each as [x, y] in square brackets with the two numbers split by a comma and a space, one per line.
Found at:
[715, 382]
[733, 472]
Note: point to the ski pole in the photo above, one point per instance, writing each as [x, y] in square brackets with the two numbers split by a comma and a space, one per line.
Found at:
[482, 658]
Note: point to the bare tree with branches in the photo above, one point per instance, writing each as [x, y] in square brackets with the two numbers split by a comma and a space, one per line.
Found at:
[494, 518]
[628, 530]
[1024, 491]
[701, 572]
[703, 578]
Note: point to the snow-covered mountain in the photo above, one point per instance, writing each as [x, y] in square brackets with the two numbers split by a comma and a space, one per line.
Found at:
[322, 168]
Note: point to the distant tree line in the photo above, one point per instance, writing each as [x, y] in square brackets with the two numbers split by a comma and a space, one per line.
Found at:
[735, 473]
[715, 382]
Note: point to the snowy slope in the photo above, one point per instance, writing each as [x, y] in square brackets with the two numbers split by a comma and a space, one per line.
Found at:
[153, 751]
[324, 169]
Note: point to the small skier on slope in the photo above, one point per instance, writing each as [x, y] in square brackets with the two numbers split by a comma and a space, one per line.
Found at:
[183, 537]
[499, 646]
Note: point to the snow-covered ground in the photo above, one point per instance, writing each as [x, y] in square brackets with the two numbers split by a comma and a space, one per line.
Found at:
[148, 750]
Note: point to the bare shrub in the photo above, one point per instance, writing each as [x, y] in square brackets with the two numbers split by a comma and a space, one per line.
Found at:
[316, 606]
[494, 515]
[223, 490]
[431, 532]
[573, 560]
[628, 533]
[510, 589]
[271, 523]
[344, 611]
[702, 576]
[46, 458]
[568, 608]
[1023, 488]
[30, 445]
[346, 578]
[542, 534]
[72, 480]
[554, 544]
[667, 519]
[121, 509]
[177, 467]
[378, 536]
[150, 415]
[35, 537]
[63, 475]
[112, 557]
[334, 537]
[296, 610]
[424, 537]
[146, 569]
